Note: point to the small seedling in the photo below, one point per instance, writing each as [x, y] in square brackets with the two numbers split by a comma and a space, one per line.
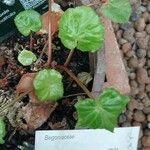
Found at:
[28, 21]
[79, 28]
[26, 58]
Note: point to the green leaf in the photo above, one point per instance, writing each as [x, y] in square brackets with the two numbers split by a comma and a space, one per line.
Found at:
[2, 131]
[118, 11]
[26, 58]
[103, 112]
[48, 85]
[81, 27]
[28, 21]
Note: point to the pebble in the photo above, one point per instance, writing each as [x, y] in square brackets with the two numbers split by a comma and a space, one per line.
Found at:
[122, 118]
[139, 116]
[140, 24]
[145, 15]
[142, 76]
[141, 95]
[148, 29]
[141, 53]
[143, 42]
[141, 87]
[146, 110]
[129, 54]
[133, 62]
[141, 62]
[146, 141]
[146, 102]
[129, 35]
[126, 47]
[148, 117]
[140, 34]
[133, 83]
[132, 105]
[137, 124]
[122, 41]
[148, 63]
[132, 76]
[147, 88]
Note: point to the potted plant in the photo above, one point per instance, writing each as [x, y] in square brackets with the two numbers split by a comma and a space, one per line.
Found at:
[79, 29]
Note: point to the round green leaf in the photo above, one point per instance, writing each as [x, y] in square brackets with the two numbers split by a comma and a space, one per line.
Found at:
[2, 131]
[26, 58]
[81, 27]
[118, 11]
[102, 113]
[28, 21]
[48, 85]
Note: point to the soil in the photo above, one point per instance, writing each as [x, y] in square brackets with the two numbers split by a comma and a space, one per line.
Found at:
[64, 116]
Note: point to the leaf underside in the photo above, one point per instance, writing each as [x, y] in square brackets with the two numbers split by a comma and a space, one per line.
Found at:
[101, 113]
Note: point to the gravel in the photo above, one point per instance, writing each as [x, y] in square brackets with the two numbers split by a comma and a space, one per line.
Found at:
[134, 42]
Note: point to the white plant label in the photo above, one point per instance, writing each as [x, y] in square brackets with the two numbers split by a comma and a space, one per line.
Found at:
[98, 139]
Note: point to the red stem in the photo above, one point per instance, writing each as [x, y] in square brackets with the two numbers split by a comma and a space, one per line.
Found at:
[49, 37]
[69, 58]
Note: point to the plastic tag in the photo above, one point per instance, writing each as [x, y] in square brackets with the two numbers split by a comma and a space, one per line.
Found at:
[10, 8]
[98, 139]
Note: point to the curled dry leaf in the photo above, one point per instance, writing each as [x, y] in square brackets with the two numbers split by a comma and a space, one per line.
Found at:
[35, 113]
[25, 83]
[55, 17]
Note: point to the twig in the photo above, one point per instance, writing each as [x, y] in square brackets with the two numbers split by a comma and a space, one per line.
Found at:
[93, 4]
[97, 3]
[49, 37]
[76, 80]
[69, 58]
[42, 52]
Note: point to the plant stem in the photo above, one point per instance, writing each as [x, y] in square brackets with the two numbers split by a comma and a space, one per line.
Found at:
[76, 80]
[97, 3]
[93, 4]
[49, 36]
[31, 41]
[69, 58]
[17, 99]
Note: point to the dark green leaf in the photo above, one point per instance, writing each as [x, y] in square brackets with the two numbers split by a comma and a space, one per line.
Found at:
[2, 131]
[28, 21]
[102, 113]
[48, 85]
[118, 11]
[26, 58]
[81, 27]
